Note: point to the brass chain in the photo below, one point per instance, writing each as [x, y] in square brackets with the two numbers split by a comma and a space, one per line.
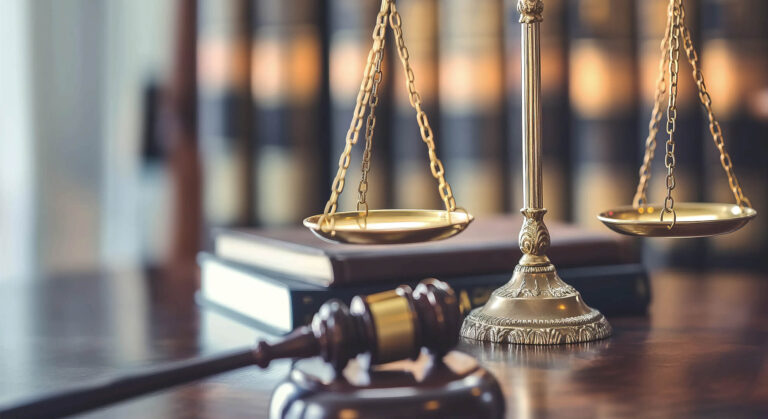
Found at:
[674, 66]
[326, 221]
[676, 30]
[370, 124]
[640, 197]
[435, 165]
[714, 126]
[367, 97]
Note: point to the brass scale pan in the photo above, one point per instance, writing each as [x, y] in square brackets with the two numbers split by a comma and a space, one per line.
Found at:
[694, 219]
[690, 219]
[387, 226]
[391, 226]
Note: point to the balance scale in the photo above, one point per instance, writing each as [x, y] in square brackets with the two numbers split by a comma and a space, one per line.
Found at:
[535, 306]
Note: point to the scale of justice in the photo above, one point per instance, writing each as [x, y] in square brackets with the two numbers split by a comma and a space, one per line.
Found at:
[535, 306]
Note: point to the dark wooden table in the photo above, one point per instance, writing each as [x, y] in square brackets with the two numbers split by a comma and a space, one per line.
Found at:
[701, 352]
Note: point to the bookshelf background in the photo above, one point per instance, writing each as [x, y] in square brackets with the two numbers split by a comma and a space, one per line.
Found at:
[599, 66]
[275, 85]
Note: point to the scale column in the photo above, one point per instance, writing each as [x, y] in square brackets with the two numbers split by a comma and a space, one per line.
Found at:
[535, 306]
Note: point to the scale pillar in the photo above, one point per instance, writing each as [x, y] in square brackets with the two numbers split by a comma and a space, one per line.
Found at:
[535, 306]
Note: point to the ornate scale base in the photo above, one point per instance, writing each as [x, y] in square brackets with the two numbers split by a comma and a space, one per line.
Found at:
[535, 307]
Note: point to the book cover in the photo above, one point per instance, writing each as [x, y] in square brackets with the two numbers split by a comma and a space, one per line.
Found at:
[488, 245]
[279, 303]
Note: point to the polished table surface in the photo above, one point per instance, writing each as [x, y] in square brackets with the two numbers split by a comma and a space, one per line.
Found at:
[702, 351]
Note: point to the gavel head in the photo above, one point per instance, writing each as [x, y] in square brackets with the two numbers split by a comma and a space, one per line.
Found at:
[390, 325]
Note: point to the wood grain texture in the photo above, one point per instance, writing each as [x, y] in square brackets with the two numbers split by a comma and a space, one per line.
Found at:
[701, 352]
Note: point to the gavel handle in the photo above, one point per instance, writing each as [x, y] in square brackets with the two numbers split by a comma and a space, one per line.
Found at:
[98, 394]
[300, 343]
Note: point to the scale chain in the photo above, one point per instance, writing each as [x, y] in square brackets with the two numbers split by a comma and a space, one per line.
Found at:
[370, 124]
[435, 165]
[368, 98]
[674, 66]
[706, 101]
[676, 30]
[326, 221]
[640, 197]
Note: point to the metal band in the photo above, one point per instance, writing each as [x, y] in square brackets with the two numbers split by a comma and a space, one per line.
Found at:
[394, 324]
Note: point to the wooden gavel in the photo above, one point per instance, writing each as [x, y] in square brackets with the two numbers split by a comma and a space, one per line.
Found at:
[379, 328]
[383, 327]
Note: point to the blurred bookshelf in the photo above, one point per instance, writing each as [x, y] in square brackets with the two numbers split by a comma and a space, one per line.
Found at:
[600, 60]
[276, 80]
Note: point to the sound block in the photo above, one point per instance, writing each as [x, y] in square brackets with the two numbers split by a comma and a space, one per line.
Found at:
[455, 386]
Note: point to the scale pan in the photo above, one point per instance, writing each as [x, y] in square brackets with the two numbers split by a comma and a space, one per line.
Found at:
[392, 226]
[694, 219]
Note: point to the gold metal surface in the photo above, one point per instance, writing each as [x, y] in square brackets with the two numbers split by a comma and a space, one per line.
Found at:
[367, 98]
[393, 321]
[698, 220]
[693, 220]
[391, 226]
[535, 306]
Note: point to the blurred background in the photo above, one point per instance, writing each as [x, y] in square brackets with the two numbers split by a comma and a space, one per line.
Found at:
[130, 128]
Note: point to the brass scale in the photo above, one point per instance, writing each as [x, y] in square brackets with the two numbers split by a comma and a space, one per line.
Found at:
[535, 306]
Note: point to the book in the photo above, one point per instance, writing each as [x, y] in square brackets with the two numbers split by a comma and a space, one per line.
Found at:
[471, 101]
[280, 304]
[603, 94]
[734, 56]
[350, 25]
[287, 86]
[488, 245]
[412, 181]
[225, 110]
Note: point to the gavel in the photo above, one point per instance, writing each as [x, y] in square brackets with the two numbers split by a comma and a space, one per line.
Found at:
[376, 328]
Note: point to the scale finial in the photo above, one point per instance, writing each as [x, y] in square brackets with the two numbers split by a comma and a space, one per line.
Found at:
[530, 10]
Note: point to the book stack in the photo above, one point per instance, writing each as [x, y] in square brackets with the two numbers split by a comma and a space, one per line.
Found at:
[277, 279]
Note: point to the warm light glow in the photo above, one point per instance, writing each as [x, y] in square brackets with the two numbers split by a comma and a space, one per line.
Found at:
[349, 414]
[431, 405]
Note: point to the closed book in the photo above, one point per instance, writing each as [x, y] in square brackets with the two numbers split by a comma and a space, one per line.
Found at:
[734, 59]
[225, 110]
[281, 304]
[488, 245]
[412, 182]
[471, 101]
[350, 28]
[287, 85]
[603, 94]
